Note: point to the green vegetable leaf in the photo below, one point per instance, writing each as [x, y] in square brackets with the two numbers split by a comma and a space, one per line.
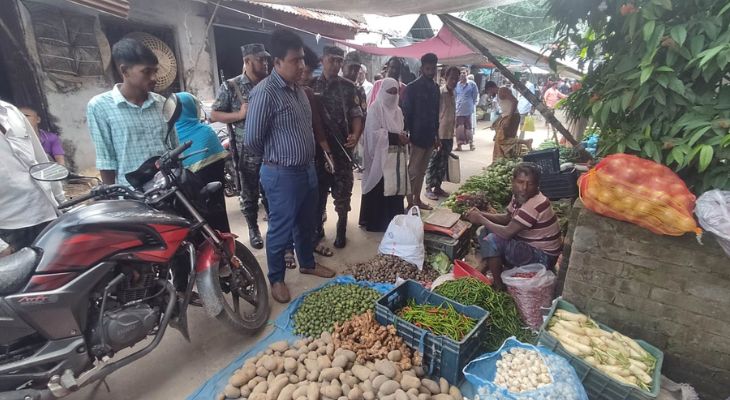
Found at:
[679, 34]
[706, 154]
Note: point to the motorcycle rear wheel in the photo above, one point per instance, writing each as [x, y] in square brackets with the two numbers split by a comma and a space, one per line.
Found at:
[246, 283]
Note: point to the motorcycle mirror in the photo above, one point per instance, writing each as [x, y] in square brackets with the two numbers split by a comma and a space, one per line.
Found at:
[49, 172]
[171, 111]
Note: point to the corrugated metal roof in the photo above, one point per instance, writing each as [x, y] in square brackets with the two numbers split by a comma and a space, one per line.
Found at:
[331, 17]
[119, 8]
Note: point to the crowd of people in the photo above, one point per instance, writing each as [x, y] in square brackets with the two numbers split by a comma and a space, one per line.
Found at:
[294, 139]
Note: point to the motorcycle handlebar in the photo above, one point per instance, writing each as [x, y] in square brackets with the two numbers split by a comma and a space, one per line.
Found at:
[80, 199]
[175, 153]
[101, 191]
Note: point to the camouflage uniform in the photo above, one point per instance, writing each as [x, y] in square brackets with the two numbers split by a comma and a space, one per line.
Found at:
[341, 104]
[248, 165]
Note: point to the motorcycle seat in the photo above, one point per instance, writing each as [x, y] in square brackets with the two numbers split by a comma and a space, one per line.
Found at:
[16, 269]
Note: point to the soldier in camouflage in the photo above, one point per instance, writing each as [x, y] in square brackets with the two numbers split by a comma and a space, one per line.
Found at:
[342, 116]
[230, 107]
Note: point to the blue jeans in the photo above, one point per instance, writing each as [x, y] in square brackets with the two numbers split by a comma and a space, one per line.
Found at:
[514, 252]
[292, 196]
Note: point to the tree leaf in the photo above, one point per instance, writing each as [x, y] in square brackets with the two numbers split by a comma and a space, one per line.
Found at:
[648, 29]
[696, 44]
[697, 135]
[709, 53]
[706, 153]
[664, 68]
[646, 74]
[666, 4]
[679, 34]
[678, 155]
[626, 99]
[676, 85]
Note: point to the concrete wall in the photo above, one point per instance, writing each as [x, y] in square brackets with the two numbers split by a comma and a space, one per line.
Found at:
[670, 291]
[67, 99]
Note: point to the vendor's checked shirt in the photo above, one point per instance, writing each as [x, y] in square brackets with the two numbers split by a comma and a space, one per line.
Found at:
[543, 230]
[228, 101]
[124, 134]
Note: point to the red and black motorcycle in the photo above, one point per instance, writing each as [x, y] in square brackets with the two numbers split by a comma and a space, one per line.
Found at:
[99, 278]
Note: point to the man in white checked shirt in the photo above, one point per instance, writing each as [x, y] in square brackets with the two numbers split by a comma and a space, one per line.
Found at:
[126, 123]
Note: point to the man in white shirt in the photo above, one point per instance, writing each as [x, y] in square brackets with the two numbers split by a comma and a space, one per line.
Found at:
[26, 205]
[362, 80]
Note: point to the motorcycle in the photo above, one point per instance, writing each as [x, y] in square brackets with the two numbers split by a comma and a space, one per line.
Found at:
[231, 182]
[97, 280]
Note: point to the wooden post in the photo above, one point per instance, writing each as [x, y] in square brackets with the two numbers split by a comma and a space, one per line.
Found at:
[534, 100]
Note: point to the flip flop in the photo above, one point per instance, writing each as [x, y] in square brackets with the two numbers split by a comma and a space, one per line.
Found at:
[290, 262]
[323, 250]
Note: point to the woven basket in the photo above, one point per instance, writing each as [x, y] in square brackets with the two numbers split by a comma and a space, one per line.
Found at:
[165, 56]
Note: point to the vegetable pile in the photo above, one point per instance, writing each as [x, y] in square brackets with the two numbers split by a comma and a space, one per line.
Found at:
[444, 321]
[521, 370]
[618, 356]
[567, 154]
[386, 268]
[371, 341]
[494, 185]
[314, 369]
[504, 320]
[320, 310]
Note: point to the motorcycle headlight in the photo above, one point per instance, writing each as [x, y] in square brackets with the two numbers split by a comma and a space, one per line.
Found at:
[159, 181]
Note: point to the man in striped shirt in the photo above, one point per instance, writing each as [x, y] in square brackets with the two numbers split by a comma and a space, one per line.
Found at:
[279, 128]
[528, 233]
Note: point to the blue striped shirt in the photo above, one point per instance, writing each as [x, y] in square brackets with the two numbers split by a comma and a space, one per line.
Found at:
[279, 123]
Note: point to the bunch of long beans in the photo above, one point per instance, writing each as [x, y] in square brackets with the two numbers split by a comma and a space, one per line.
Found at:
[504, 319]
[438, 319]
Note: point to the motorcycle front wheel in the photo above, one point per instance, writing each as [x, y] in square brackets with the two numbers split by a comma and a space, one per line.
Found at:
[244, 292]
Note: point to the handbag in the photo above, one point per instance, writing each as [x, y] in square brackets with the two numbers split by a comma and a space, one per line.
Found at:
[529, 124]
[453, 170]
[395, 172]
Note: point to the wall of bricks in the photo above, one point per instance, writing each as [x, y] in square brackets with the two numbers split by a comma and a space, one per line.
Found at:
[669, 291]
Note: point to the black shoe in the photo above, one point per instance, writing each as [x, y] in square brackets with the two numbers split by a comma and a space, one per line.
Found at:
[254, 235]
[341, 239]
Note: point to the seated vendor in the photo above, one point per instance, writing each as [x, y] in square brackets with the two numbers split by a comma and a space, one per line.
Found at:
[528, 233]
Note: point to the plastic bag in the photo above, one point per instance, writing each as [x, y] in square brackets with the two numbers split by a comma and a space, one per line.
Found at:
[529, 124]
[645, 193]
[481, 373]
[713, 212]
[404, 238]
[532, 287]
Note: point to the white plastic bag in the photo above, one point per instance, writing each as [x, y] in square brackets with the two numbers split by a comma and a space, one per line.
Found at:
[404, 238]
[531, 294]
[713, 213]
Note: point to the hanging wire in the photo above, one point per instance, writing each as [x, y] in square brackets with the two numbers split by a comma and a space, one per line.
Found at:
[515, 15]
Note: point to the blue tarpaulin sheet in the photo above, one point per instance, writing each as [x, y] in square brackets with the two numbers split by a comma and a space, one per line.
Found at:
[283, 330]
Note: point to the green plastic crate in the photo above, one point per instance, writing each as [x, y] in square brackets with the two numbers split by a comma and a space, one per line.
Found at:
[598, 385]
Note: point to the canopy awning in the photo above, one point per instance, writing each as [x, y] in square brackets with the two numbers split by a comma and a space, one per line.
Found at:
[392, 8]
[458, 48]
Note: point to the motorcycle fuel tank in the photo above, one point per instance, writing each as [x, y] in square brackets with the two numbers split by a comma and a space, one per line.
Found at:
[88, 234]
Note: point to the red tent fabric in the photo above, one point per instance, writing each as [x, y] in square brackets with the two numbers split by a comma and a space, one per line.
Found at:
[445, 45]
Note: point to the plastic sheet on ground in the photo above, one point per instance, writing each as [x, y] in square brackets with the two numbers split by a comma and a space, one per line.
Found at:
[283, 330]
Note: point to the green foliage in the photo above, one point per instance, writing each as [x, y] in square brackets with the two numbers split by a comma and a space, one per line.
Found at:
[524, 21]
[658, 84]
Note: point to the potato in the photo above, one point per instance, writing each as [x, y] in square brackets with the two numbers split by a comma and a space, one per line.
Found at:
[373, 373]
[342, 398]
[351, 355]
[432, 386]
[269, 362]
[255, 381]
[355, 394]
[290, 364]
[419, 371]
[257, 396]
[361, 372]
[330, 350]
[408, 382]
[313, 376]
[293, 378]
[412, 396]
[329, 374]
[301, 391]
[286, 393]
[345, 388]
[441, 397]
[367, 386]
[281, 346]
[444, 385]
[386, 368]
[261, 387]
[262, 372]
[276, 387]
[395, 356]
[301, 372]
[368, 395]
[268, 352]
[300, 343]
[245, 391]
[388, 387]
[455, 392]
[312, 355]
[331, 391]
[324, 362]
[312, 391]
[237, 380]
[232, 392]
[220, 396]
[326, 337]
[340, 361]
[401, 395]
[301, 398]
[291, 353]
[378, 381]
[422, 396]
[387, 397]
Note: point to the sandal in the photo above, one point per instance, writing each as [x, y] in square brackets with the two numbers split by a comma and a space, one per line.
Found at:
[323, 250]
[290, 262]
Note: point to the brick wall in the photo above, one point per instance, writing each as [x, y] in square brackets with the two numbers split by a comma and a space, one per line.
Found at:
[669, 291]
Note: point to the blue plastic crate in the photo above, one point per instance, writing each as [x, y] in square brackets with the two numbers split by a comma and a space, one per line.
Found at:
[442, 356]
[598, 385]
